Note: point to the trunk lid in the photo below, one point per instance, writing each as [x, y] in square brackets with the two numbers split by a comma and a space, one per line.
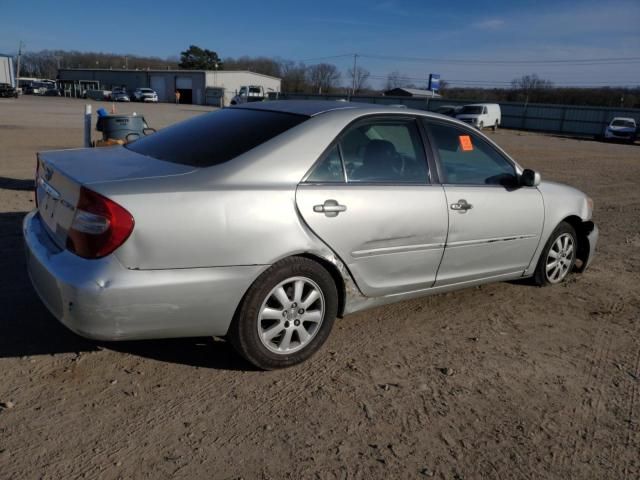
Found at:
[61, 173]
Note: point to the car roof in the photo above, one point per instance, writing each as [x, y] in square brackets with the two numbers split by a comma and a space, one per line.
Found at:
[624, 118]
[311, 108]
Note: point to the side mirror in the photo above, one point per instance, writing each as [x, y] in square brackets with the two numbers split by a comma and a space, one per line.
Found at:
[530, 178]
[148, 131]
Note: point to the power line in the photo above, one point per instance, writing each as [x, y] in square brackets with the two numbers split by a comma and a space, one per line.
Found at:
[458, 61]
[470, 82]
[573, 61]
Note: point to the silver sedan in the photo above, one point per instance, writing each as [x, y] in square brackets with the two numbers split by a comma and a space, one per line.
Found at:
[265, 222]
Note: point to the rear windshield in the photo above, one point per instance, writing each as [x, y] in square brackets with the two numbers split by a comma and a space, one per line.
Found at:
[471, 109]
[215, 137]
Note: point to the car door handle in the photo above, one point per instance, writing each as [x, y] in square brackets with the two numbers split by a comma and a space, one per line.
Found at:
[462, 206]
[331, 208]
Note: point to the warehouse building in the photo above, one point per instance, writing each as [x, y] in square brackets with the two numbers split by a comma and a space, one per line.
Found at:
[199, 87]
[6, 70]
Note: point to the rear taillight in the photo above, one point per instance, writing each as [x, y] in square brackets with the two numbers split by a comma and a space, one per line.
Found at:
[99, 226]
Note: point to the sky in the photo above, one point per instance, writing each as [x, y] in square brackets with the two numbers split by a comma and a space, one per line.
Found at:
[468, 42]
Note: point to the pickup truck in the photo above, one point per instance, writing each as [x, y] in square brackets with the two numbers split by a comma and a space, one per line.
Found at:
[8, 91]
[249, 93]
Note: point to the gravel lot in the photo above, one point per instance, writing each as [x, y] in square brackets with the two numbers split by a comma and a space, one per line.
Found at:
[500, 381]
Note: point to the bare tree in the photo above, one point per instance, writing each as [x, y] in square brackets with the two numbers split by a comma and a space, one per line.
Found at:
[323, 77]
[531, 87]
[264, 65]
[397, 80]
[293, 76]
[361, 77]
[531, 82]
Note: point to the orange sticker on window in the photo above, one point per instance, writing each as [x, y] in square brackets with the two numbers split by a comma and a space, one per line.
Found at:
[465, 143]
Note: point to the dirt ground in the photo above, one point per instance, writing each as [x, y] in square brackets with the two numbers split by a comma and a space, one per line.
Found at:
[542, 382]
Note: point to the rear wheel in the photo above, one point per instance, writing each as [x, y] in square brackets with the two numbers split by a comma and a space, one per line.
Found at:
[558, 256]
[286, 315]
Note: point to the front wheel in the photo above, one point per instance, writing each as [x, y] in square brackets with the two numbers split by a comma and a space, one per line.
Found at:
[558, 256]
[495, 126]
[480, 125]
[286, 315]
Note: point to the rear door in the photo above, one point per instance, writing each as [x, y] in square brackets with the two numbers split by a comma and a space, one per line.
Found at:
[369, 197]
[494, 224]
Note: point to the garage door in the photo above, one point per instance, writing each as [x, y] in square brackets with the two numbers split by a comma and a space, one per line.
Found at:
[184, 83]
[160, 86]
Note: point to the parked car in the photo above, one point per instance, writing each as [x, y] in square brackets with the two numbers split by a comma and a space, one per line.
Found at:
[481, 115]
[34, 88]
[119, 95]
[264, 222]
[51, 91]
[621, 128]
[145, 95]
[249, 93]
[7, 91]
[448, 110]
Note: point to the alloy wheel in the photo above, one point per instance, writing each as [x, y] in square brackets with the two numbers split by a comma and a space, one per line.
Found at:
[291, 315]
[560, 258]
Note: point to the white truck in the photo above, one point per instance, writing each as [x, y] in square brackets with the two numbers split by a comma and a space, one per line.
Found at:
[481, 115]
[249, 93]
[7, 75]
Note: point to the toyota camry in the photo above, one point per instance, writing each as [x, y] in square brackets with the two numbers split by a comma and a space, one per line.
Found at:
[266, 221]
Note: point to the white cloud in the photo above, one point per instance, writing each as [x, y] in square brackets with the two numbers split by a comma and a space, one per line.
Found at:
[490, 24]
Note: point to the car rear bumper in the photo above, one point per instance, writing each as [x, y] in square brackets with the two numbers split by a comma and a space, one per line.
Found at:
[103, 300]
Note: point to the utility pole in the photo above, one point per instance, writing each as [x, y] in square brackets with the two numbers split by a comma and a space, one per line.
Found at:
[355, 62]
[20, 46]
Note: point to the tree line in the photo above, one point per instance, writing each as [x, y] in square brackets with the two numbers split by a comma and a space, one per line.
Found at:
[325, 78]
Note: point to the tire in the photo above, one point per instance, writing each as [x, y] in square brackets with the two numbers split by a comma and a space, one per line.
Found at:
[270, 336]
[480, 125]
[495, 126]
[563, 244]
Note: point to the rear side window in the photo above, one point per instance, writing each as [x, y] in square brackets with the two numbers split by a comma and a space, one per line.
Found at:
[216, 137]
[329, 170]
[384, 151]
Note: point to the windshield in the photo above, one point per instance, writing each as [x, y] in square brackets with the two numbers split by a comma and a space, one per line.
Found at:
[216, 137]
[471, 109]
[146, 90]
[623, 123]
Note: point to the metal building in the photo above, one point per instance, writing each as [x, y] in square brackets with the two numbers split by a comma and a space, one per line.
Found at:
[200, 87]
[6, 70]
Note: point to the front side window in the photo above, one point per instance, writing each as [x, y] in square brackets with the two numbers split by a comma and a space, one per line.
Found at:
[467, 159]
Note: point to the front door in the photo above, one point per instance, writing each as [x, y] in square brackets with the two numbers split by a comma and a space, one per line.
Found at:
[370, 199]
[494, 224]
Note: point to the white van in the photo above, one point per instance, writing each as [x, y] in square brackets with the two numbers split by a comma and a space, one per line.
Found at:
[481, 115]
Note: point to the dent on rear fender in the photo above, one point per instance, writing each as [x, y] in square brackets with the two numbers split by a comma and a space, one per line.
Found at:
[352, 294]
